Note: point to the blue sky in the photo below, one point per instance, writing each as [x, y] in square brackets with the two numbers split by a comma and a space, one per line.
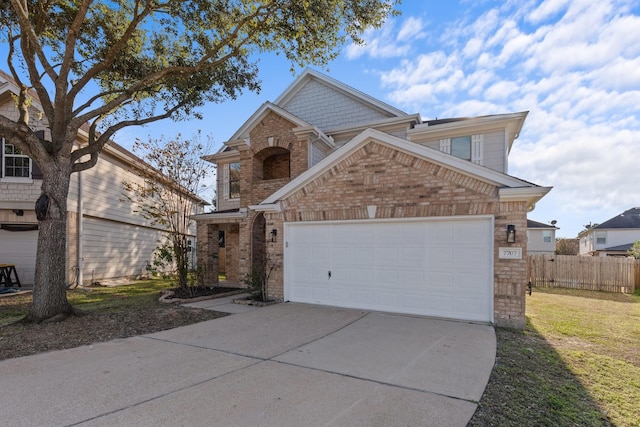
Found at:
[574, 65]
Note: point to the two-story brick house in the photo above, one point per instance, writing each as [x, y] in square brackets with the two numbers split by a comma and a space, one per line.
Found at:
[361, 205]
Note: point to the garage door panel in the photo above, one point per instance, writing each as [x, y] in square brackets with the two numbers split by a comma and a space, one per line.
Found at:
[439, 267]
[412, 279]
[19, 248]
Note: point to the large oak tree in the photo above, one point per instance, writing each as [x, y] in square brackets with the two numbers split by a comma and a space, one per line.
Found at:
[112, 64]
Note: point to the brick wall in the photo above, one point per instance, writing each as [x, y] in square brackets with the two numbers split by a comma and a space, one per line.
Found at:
[510, 275]
[402, 186]
[272, 135]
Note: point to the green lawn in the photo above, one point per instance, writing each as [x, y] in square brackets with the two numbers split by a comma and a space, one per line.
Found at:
[576, 363]
[138, 293]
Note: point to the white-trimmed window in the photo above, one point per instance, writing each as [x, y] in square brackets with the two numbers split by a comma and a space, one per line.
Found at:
[468, 147]
[15, 164]
[546, 236]
[231, 181]
[601, 237]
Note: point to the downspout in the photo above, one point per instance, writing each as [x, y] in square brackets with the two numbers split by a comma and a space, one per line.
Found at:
[80, 210]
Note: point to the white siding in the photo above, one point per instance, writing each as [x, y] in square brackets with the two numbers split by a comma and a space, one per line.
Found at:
[112, 249]
[20, 192]
[103, 191]
[536, 243]
[327, 108]
[615, 237]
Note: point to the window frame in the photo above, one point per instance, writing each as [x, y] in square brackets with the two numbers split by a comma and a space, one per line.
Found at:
[233, 181]
[463, 142]
[547, 236]
[3, 164]
[600, 237]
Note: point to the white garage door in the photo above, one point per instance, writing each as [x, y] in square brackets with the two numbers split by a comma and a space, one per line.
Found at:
[19, 248]
[441, 268]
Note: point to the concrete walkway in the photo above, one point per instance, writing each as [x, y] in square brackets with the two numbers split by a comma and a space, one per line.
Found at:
[282, 365]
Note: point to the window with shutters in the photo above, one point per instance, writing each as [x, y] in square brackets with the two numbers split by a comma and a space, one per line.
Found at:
[468, 147]
[15, 164]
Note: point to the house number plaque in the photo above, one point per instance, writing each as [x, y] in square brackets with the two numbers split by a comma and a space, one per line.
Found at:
[510, 253]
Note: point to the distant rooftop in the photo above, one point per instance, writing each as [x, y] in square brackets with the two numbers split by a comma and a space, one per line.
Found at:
[628, 219]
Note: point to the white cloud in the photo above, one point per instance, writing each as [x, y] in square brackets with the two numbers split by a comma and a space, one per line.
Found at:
[411, 30]
[386, 42]
[577, 69]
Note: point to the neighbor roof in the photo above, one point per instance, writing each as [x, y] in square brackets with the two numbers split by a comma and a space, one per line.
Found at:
[536, 224]
[619, 248]
[628, 219]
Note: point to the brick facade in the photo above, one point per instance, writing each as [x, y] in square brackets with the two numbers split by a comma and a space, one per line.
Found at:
[399, 181]
[402, 186]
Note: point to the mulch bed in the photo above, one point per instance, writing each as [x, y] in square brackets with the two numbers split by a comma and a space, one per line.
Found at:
[201, 291]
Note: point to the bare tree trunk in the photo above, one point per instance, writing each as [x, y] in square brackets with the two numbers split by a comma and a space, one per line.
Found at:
[49, 293]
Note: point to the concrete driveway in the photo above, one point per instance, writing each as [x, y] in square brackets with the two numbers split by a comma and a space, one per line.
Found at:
[283, 365]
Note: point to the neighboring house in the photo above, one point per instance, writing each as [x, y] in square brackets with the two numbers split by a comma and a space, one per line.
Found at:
[355, 203]
[541, 238]
[614, 237]
[105, 237]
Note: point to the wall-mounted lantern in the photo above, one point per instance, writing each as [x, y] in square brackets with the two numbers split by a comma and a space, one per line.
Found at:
[511, 233]
[273, 235]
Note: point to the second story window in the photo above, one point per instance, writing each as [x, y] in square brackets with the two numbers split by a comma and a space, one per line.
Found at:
[470, 147]
[601, 237]
[234, 180]
[461, 147]
[15, 164]
[546, 236]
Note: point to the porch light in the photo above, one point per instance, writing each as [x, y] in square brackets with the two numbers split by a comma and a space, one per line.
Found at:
[511, 233]
[273, 235]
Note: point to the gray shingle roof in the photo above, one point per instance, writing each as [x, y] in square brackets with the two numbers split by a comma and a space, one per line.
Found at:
[628, 219]
[536, 224]
[624, 247]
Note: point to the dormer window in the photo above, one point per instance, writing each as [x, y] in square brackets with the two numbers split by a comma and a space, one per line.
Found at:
[468, 147]
[461, 147]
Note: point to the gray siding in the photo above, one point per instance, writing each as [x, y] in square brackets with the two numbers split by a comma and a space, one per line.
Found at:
[327, 108]
[317, 154]
[493, 154]
[494, 151]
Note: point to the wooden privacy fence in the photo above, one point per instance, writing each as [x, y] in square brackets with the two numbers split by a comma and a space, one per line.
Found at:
[609, 274]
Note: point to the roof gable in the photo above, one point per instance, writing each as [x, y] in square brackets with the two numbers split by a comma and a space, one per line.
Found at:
[522, 190]
[243, 132]
[328, 103]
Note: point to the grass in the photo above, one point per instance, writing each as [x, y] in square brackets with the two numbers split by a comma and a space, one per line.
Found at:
[598, 336]
[576, 363]
[139, 293]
